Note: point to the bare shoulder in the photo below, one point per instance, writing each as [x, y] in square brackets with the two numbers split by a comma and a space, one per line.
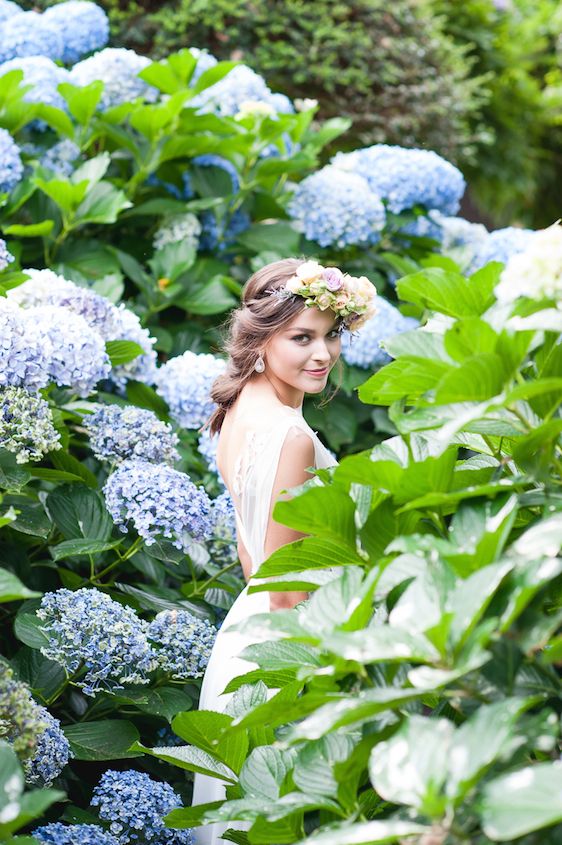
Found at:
[297, 455]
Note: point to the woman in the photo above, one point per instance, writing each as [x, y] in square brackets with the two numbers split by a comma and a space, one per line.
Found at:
[283, 341]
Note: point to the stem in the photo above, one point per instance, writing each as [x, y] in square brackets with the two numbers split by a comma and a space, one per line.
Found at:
[206, 584]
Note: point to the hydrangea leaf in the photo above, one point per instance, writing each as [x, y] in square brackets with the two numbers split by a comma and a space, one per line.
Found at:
[12, 589]
[523, 801]
[110, 739]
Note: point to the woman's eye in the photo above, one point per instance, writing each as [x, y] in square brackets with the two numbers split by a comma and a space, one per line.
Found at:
[300, 337]
[335, 333]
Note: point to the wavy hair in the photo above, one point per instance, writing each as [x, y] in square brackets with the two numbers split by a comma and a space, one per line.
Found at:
[249, 328]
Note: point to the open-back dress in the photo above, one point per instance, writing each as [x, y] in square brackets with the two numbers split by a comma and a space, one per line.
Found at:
[252, 486]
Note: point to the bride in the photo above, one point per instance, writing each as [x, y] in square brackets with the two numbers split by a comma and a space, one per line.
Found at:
[283, 341]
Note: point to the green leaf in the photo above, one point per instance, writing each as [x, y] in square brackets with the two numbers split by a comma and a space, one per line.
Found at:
[31, 519]
[163, 701]
[12, 589]
[109, 739]
[79, 512]
[468, 337]
[28, 629]
[12, 476]
[450, 293]
[69, 464]
[523, 801]
[308, 553]
[122, 351]
[66, 195]
[79, 548]
[383, 644]
[82, 101]
[478, 377]
[314, 767]
[33, 230]
[202, 728]
[261, 236]
[325, 511]
[210, 298]
[264, 771]
[368, 833]
[190, 758]
[102, 204]
[144, 396]
[407, 378]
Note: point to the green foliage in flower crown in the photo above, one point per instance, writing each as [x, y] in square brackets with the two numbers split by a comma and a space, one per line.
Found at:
[415, 696]
[390, 70]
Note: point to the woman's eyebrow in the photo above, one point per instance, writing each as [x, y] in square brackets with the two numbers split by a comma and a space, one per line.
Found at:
[309, 331]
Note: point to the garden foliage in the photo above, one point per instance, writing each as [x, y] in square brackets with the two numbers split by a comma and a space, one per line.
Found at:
[137, 197]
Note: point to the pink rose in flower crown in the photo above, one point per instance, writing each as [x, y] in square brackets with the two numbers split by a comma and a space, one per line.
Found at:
[342, 301]
[324, 301]
[333, 278]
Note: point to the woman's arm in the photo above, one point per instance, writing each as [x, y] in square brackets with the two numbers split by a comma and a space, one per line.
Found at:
[296, 455]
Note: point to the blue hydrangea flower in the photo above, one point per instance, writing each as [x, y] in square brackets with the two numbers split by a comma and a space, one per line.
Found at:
[118, 433]
[84, 25]
[205, 61]
[61, 158]
[26, 425]
[208, 448]
[118, 69]
[159, 502]
[38, 288]
[362, 348]
[135, 805]
[337, 208]
[52, 753]
[23, 360]
[6, 256]
[11, 168]
[8, 9]
[460, 239]
[406, 177]
[76, 353]
[423, 227]
[219, 234]
[223, 545]
[102, 640]
[30, 34]
[182, 643]
[57, 833]
[500, 245]
[185, 382]
[43, 75]
[241, 84]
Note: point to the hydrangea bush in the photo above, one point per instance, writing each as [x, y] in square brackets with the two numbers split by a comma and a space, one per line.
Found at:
[135, 203]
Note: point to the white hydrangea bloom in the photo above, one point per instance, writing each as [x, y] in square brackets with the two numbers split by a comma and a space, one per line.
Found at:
[535, 273]
[181, 227]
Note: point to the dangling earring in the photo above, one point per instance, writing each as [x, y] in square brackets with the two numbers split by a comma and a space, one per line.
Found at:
[259, 366]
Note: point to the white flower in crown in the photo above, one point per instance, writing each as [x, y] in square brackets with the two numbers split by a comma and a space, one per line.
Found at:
[309, 272]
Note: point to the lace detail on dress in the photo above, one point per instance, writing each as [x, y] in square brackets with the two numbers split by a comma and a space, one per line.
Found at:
[245, 461]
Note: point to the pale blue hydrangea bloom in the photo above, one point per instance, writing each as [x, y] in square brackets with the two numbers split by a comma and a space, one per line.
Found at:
[30, 34]
[57, 833]
[500, 245]
[205, 61]
[362, 348]
[38, 289]
[406, 177]
[118, 69]
[11, 168]
[239, 85]
[135, 805]
[180, 227]
[223, 545]
[43, 75]
[89, 631]
[26, 425]
[61, 158]
[8, 9]
[23, 360]
[118, 433]
[6, 256]
[208, 448]
[52, 753]
[336, 208]
[423, 227]
[182, 643]
[84, 26]
[185, 382]
[159, 502]
[76, 352]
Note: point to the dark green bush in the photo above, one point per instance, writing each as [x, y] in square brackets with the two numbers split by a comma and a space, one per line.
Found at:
[390, 69]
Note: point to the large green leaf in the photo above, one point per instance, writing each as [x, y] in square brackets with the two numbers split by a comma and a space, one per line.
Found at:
[109, 739]
[264, 771]
[102, 204]
[368, 833]
[79, 512]
[525, 800]
[190, 758]
[12, 589]
[407, 378]
[79, 548]
[450, 293]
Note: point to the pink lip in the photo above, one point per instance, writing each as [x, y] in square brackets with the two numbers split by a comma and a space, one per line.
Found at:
[317, 373]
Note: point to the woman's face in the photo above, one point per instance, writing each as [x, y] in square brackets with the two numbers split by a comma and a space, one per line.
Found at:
[299, 357]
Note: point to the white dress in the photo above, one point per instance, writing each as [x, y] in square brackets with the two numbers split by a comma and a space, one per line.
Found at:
[254, 475]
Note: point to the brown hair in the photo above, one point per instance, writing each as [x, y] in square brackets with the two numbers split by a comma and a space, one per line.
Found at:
[249, 327]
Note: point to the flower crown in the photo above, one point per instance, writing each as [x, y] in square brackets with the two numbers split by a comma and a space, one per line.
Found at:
[350, 297]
